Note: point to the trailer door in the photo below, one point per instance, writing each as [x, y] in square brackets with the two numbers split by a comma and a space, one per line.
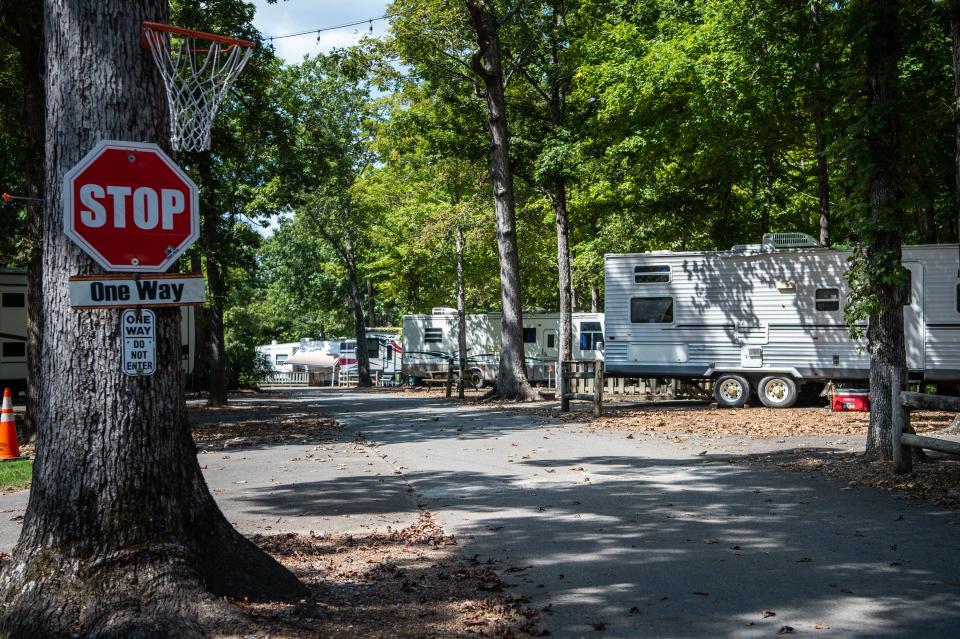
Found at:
[913, 327]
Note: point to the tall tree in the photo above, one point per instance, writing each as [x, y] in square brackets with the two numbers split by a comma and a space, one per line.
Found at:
[486, 63]
[121, 536]
[326, 98]
[879, 267]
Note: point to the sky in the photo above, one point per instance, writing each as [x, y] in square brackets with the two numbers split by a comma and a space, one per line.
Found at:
[292, 16]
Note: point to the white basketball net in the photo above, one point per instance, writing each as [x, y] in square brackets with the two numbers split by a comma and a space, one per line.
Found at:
[197, 74]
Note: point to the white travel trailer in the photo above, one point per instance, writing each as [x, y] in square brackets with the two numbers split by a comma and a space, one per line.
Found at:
[430, 340]
[763, 319]
[13, 330]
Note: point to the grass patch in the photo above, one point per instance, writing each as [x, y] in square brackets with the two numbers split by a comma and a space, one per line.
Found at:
[15, 475]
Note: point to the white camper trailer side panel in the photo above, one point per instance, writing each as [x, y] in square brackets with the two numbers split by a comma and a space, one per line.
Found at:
[941, 309]
[689, 315]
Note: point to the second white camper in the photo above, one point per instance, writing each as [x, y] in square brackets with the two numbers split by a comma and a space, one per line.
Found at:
[763, 319]
[430, 340]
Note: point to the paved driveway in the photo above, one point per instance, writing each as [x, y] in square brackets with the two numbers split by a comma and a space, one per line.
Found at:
[612, 537]
[629, 538]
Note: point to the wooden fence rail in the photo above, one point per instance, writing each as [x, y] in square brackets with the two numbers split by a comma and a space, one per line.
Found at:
[573, 370]
[903, 438]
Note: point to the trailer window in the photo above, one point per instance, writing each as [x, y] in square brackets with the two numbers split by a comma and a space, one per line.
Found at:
[651, 310]
[651, 273]
[13, 300]
[551, 340]
[281, 359]
[432, 335]
[828, 299]
[591, 334]
[373, 347]
[389, 353]
[14, 349]
[908, 292]
[530, 335]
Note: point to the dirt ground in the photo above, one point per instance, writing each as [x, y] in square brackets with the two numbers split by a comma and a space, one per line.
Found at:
[403, 584]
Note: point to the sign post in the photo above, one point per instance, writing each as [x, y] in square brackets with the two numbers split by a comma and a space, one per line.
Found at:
[138, 327]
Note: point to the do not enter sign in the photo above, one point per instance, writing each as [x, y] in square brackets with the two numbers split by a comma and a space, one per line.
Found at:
[130, 207]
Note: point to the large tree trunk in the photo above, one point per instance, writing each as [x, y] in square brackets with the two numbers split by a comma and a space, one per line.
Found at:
[30, 47]
[820, 145]
[955, 32]
[885, 333]
[461, 312]
[216, 293]
[121, 537]
[512, 375]
[359, 325]
[371, 305]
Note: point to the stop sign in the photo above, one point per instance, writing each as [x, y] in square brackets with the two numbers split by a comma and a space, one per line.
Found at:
[130, 207]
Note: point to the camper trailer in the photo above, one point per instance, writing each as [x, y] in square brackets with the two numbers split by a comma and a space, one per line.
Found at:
[429, 341]
[383, 349]
[13, 330]
[764, 319]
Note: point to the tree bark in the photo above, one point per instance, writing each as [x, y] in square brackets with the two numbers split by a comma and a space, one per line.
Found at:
[885, 332]
[121, 537]
[359, 325]
[371, 317]
[955, 33]
[512, 380]
[216, 295]
[461, 311]
[820, 145]
[926, 224]
[594, 298]
[563, 269]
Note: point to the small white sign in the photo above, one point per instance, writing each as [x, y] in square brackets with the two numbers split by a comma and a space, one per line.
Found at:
[125, 291]
[138, 328]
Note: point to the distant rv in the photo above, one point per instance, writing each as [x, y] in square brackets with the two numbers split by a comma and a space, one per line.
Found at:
[383, 349]
[764, 319]
[429, 341]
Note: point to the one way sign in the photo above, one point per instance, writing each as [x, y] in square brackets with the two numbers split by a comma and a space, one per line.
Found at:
[139, 330]
[123, 291]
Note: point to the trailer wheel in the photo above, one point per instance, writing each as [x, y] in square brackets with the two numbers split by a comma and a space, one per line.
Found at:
[475, 378]
[731, 391]
[777, 391]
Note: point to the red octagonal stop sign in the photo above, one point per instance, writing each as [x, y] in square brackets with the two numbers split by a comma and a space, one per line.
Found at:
[130, 207]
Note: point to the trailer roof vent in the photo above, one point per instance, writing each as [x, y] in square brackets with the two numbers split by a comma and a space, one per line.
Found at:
[444, 310]
[789, 240]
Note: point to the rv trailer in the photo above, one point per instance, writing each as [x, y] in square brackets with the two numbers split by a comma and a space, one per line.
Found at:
[429, 341]
[764, 319]
[383, 350]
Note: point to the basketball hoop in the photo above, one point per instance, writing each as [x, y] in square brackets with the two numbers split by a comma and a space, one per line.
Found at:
[198, 69]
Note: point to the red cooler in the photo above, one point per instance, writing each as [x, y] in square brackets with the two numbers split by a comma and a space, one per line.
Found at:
[853, 400]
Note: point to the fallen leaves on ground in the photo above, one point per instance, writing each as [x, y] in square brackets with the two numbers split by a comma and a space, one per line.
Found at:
[937, 480]
[239, 425]
[396, 585]
[751, 421]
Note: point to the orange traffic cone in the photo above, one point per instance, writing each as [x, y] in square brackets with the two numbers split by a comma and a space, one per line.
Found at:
[9, 449]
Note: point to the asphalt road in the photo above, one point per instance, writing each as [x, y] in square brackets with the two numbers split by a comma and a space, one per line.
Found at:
[611, 537]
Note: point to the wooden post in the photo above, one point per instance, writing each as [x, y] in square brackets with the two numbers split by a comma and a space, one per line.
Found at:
[598, 388]
[902, 459]
[449, 375]
[562, 387]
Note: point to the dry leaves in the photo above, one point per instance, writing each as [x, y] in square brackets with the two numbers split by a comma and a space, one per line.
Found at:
[398, 585]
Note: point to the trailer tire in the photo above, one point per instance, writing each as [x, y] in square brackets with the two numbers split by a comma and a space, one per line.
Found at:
[731, 391]
[475, 378]
[777, 391]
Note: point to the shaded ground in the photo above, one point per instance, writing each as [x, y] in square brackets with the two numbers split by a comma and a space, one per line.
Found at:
[629, 534]
[403, 584]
